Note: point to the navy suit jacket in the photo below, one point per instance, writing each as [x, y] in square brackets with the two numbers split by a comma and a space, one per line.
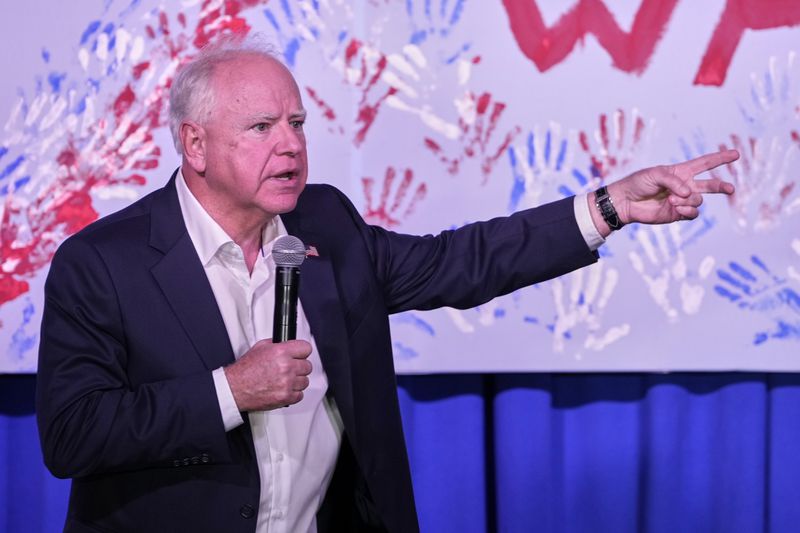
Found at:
[131, 332]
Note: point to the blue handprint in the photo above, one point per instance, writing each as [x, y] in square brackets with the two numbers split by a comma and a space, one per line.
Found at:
[754, 287]
[581, 181]
[428, 21]
[290, 39]
[404, 351]
[694, 147]
[108, 43]
[297, 26]
[8, 170]
[542, 170]
[22, 341]
[41, 112]
[543, 159]
[771, 103]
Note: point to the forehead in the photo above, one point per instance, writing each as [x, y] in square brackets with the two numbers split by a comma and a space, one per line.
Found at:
[249, 78]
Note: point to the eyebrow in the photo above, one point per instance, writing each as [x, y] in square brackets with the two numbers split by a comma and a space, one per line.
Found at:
[301, 114]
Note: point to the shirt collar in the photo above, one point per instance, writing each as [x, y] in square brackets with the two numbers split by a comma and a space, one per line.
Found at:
[208, 236]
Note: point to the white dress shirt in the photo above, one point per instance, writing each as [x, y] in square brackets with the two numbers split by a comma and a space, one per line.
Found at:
[296, 446]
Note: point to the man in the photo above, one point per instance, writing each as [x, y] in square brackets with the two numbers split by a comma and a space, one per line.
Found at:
[159, 390]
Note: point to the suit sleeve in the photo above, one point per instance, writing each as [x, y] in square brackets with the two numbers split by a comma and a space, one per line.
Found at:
[471, 265]
[91, 419]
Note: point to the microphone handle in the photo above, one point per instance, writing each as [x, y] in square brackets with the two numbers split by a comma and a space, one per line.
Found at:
[284, 323]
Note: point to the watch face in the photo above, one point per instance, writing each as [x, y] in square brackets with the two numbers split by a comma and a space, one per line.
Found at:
[607, 210]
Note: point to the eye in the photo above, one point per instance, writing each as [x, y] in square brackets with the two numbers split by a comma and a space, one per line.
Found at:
[297, 124]
[261, 126]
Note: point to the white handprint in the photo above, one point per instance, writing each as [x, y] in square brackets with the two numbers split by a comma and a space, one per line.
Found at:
[584, 305]
[662, 265]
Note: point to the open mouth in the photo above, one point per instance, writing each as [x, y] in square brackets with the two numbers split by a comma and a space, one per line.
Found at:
[286, 176]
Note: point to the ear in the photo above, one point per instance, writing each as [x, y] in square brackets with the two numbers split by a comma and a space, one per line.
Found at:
[193, 140]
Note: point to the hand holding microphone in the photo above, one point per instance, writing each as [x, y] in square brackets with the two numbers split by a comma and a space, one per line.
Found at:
[274, 373]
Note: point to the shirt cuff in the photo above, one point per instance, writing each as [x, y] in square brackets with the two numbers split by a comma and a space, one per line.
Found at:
[231, 416]
[584, 218]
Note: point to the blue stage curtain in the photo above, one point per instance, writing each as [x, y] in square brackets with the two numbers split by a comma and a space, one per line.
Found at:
[31, 500]
[616, 453]
[544, 452]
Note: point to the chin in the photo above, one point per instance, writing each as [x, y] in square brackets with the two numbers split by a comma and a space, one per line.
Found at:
[279, 202]
[284, 206]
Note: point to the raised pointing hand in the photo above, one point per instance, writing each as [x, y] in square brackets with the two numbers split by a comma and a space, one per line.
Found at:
[665, 193]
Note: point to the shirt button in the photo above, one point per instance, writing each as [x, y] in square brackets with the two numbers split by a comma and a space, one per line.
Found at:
[279, 457]
[278, 514]
[247, 511]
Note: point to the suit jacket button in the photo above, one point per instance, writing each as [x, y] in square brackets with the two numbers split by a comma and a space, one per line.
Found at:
[247, 511]
[195, 460]
[176, 462]
[186, 461]
[204, 458]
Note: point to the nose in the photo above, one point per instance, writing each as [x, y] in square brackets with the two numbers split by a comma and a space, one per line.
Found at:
[291, 140]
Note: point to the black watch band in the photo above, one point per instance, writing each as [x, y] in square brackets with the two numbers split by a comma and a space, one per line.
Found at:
[603, 202]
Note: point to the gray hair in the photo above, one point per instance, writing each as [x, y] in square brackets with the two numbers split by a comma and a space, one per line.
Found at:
[191, 96]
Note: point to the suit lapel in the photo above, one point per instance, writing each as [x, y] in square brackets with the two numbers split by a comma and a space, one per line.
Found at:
[320, 300]
[184, 282]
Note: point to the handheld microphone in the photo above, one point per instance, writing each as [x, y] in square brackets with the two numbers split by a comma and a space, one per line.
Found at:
[288, 253]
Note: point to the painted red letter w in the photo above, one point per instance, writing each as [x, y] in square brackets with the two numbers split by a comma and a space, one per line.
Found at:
[548, 46]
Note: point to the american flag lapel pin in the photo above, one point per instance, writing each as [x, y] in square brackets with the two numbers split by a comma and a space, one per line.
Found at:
[311, 251]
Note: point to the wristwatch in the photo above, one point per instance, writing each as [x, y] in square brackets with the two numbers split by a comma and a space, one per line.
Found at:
[603, 202]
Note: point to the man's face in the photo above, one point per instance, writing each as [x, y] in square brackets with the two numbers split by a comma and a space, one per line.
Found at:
[256, 163]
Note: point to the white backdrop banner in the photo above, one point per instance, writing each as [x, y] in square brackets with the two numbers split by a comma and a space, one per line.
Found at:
[431, 114]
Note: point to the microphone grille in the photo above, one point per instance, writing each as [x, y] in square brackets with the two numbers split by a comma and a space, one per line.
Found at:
[288, 251]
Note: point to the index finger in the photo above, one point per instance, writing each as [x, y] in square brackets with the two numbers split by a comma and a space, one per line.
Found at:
[709, 161]
[294, 348]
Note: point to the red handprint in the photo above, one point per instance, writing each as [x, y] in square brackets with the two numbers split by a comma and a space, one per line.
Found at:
[616, 143]
[364, 66]
[765, 177]
[101, 157]
[478, 120]
[384, 214]
[327, 111]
